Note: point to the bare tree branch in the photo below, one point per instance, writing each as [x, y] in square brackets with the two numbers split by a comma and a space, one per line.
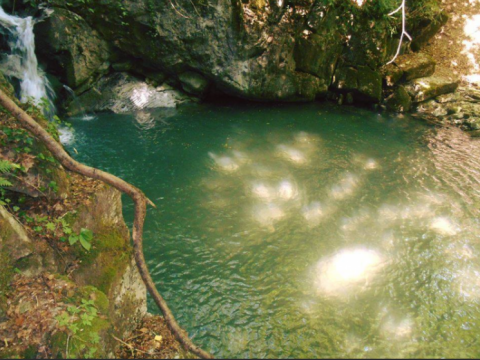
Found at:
[404, 30]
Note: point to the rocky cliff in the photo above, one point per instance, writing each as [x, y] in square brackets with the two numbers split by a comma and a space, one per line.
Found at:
[259, 50]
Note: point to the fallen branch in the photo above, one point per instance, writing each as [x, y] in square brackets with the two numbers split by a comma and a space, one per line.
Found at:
[138, 197]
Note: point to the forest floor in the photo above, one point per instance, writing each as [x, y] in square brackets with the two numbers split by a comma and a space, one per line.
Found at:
[457, 46]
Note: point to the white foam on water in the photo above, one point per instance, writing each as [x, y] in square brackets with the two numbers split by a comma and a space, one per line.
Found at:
[67, 136]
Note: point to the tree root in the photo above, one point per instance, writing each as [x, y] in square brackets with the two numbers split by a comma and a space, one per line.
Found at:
[139, 199]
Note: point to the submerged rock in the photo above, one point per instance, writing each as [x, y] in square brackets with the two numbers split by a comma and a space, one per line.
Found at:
[124, 93]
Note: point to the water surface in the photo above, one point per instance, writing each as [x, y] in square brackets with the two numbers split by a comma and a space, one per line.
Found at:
[304, 231]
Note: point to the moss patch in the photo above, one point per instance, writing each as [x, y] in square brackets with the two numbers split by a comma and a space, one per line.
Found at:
[105, 261]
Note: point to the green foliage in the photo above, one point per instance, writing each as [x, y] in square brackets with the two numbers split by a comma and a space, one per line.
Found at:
[75, 322]
[6, 168]
[60, 228]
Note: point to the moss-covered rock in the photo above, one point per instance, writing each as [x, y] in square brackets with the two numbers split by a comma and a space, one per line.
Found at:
[391, 74]
[364, 83]
[415, 65]
[430, 87]
[427, 25]
[318, 53]
[108, 265]
[399, 101]
[369, 85]
[71, 49]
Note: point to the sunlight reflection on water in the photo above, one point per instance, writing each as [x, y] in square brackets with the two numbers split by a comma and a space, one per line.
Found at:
[323, 234]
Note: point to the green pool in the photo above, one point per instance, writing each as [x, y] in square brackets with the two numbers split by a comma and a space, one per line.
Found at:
[304, 230]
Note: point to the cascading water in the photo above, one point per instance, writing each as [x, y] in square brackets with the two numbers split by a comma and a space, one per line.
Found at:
[23, 64]
[84, 115]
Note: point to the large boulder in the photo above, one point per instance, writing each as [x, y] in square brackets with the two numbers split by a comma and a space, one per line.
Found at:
[259, 50]
[364, 83]
[71, 49]
[14, 240]
[415, 65]
[315, 56]
[109, 265]
[425, 28]
[123, 93]
[399, 101]
[430, 87]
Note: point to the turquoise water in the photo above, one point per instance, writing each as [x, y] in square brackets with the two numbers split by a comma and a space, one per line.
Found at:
[304, 231]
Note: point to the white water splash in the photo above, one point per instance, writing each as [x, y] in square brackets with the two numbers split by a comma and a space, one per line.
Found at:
[33, 84]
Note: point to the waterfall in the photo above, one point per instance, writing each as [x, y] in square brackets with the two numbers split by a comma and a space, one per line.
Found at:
[23, 63]
[83, 114]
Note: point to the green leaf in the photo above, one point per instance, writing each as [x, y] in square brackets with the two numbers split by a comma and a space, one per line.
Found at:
[87, 246]
[73, 310]
[50, 226]
[4, 182]
[86, 234]
[72, 239]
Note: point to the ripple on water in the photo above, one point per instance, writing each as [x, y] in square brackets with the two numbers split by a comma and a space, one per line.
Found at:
[332, 213]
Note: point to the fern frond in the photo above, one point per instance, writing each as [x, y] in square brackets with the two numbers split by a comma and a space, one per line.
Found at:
[4, 182]
[7, 166]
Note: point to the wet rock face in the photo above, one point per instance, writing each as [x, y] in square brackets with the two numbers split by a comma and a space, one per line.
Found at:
[124, 93]
[194, 83]
[71, 49]
[257, 49]
[399, 101]
[217, 41]
[364, 83]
